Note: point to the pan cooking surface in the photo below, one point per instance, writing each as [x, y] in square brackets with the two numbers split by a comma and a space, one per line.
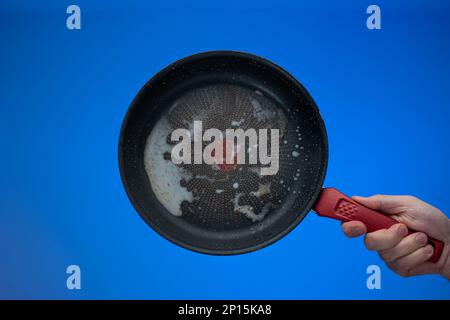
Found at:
[236, 196]
[216, 208]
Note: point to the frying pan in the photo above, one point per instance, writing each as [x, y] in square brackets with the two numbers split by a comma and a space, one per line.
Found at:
[232, 210]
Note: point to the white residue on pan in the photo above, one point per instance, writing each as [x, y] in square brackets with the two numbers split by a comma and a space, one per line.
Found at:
[295, 154]
[164, 175]
[248, 210]
[263, 190]
[260, 113]
[219, 191]
[259, 93]
[256, 170]
[205, 177]
[235, 185]
[237, 123]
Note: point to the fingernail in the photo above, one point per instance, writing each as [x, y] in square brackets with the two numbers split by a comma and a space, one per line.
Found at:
[421, 238]
[429, 249]
[402, 230]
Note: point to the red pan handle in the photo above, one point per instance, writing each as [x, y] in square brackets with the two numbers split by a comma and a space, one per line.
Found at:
[334, 204]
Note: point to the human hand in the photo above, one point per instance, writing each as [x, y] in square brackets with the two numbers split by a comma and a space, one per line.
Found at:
[407, 255]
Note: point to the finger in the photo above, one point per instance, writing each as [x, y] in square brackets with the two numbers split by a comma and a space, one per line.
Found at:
[424, 268]
[354, 229]
[386, 238]
[406, 246]
[405, 265]
[386, 204]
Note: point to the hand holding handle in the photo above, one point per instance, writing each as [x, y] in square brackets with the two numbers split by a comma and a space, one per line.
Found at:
[334, 204]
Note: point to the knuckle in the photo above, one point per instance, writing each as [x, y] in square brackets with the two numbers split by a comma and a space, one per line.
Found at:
[402, 264]
[412, 210]
[403, 273]
[392, 266]
[411, 198]
[398, 269]
[370, 242]
[380, 198]
[385, 256]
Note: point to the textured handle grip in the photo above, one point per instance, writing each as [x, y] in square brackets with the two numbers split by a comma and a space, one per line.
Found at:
[334, 204]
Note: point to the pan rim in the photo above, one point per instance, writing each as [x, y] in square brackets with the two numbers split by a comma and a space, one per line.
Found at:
[275, 237]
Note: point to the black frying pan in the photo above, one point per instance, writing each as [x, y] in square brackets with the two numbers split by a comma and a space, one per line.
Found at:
[234, 209]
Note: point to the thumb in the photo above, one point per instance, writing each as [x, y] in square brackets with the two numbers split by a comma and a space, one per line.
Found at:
[383, 203]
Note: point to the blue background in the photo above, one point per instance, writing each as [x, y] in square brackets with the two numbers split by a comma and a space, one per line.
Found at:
[384, 95]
